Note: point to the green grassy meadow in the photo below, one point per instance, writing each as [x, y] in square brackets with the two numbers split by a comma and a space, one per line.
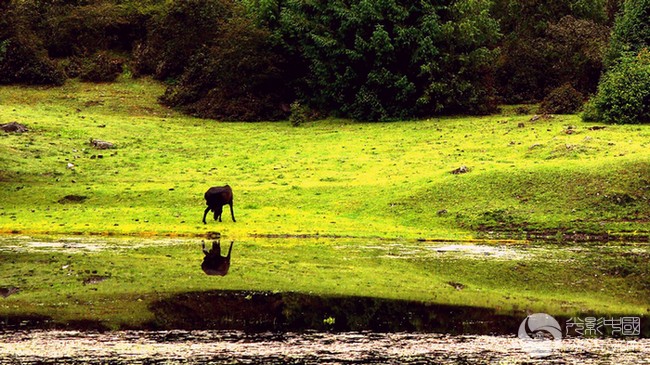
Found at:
[358, 182]
[331, 177]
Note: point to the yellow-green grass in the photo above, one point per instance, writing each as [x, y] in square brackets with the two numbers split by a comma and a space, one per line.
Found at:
[333, 177]
[328, 178]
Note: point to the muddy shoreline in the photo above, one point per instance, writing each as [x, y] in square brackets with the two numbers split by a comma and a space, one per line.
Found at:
[236, 347]
[483, 235]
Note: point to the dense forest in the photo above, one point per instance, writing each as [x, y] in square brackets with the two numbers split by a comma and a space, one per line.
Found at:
[369, 60]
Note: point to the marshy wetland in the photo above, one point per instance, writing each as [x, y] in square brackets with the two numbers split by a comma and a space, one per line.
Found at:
[121, 283]
[301, 301]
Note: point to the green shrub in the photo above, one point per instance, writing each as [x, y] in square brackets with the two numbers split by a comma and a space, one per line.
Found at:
[86, 28]
[72, 66]
[631, 31]
[234, 76]
[576, 48]
[299, 114]
[562, 100]
[589, 112]
[22, 56]
[548, 43]
[624, 92]
[21, 62]
[176, 33]
[102, 67]
[381, 60]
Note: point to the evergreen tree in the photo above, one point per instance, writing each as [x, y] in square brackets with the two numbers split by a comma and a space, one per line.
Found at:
[631, 31]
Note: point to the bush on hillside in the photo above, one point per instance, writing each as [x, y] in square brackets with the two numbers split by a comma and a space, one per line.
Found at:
[624, 92]
[83, 29]
[21, 62]
[72, 32]
[234, 77]
[299, 114]
[631, 31]
[388, 60]
[548, 43]
[562, 100]
[22, 57]
[177, 33]
[576, 48]
[102, 67]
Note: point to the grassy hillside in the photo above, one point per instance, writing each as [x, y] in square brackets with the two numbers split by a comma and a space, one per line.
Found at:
[332, 177]
[391, 181]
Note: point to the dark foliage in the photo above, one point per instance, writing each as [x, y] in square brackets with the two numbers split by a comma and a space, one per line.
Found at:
[576, 49]
[299, 114]
[176, 33]
[386, 60]
[562, 100]
[22, 57]
[72, 66]
[102, 67]
[632, 30]
[612, 8]
[82, 28]
[624, 90]
[523, 75]
[21, 62]
[370, 60]
[233, 76]
[549, 43]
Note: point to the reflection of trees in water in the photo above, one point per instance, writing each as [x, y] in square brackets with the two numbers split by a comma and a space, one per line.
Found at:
[264, 311]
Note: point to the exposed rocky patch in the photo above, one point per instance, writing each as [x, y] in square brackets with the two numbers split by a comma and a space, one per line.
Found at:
[461, 170]
[94, 279]
[101, 145]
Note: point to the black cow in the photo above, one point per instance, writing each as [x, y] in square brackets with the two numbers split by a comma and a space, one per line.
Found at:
[216, 197]
[213, 263]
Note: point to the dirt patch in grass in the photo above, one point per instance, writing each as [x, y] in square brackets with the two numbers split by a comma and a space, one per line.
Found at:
[7, 291]
[13, 127]
[94, 279]
[72, 199]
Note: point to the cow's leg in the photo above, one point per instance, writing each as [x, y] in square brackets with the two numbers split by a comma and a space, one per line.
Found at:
[205, 213]
[217, 212]
[232, 212]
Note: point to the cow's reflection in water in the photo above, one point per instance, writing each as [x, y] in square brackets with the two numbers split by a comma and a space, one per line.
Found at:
[213, 262]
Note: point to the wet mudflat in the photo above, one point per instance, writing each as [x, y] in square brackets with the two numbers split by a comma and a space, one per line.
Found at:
[235, 347]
